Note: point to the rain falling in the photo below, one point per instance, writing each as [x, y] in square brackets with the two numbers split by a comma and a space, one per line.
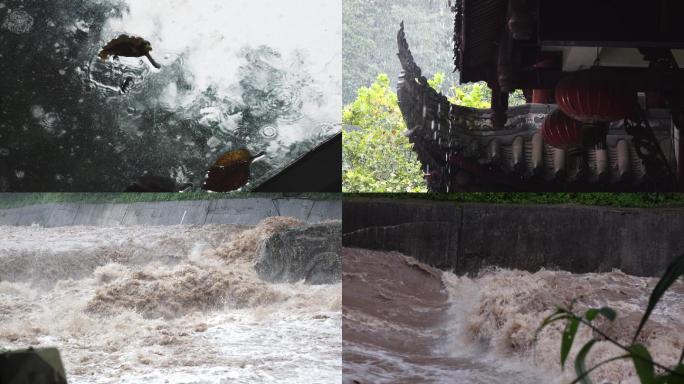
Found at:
[73, 121]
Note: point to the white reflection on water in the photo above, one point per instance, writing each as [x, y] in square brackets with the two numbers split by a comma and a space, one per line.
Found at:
[210, 37]
[264, 75]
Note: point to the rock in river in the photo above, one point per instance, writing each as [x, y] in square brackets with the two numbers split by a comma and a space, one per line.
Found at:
[310, 253]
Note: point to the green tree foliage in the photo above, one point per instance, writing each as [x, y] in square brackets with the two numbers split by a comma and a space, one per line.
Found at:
[377, 157]
[477, 95]
[474, 95]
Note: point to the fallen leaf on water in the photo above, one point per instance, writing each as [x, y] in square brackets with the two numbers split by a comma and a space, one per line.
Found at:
[128, 46]
[230, 172]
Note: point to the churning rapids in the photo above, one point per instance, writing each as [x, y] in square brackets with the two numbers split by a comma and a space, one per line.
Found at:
[405, 322]
[165, 304]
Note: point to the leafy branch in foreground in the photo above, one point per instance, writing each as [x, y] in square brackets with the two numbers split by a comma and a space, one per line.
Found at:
[644, 364]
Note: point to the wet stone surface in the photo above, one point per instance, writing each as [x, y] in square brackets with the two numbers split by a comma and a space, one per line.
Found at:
[311, 253]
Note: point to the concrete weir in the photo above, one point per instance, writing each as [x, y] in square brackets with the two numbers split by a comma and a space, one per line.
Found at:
[247, 211]
[468, 237]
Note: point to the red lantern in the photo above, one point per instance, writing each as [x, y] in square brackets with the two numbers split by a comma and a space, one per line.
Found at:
[594, 97]
[560, 131]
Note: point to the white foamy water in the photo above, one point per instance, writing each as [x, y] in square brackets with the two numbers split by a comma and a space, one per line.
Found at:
[176, 304]
[406, 322]
[211, 35]
[496, 315]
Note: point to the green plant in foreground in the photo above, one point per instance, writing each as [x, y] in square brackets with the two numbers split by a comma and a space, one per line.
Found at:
[648, 371]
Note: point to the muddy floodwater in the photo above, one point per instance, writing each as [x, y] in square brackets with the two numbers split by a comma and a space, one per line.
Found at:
[165, 305]
[405, 322]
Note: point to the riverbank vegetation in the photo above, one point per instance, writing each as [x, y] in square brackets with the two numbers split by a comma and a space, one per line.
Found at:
[15, 200]
[621, 200]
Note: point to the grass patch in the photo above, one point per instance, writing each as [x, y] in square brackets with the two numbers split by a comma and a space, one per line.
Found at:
[623, 200]
[15, 200]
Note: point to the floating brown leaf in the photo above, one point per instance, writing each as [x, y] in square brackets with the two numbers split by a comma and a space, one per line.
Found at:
[128, 46]
[230, 171]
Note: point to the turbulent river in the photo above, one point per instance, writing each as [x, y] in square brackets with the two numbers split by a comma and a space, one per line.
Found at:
[165, 304]
[405, 322]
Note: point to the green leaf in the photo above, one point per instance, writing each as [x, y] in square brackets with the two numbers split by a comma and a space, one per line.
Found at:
[591, 314]
[568, 338]
[674, 270]
[580, 363]
[606, 312]
[643, 363]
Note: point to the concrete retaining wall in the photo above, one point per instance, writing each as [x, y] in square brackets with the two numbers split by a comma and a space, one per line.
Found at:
[247, 211]
[468, 237]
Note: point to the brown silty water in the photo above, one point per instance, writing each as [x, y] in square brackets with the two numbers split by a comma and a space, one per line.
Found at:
[406, 322]
[165, 304]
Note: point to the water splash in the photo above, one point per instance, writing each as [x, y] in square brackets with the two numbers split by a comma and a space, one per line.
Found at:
[481, 329]
[18, 22]
[165, 304]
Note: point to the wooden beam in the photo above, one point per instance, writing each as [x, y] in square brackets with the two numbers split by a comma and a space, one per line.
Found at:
[640, 79]
[499, 107]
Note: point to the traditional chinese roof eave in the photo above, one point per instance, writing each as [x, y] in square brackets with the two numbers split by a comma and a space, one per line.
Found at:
[461, 146]
[476, 38]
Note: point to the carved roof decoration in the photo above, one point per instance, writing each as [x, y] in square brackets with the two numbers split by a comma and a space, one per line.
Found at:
[461, 150]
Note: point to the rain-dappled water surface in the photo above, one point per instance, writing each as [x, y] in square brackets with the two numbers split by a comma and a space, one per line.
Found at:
[260, 74]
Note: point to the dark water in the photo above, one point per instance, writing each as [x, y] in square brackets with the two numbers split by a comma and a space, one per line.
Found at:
[396, 328]
[70, 122]
[405, 322]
